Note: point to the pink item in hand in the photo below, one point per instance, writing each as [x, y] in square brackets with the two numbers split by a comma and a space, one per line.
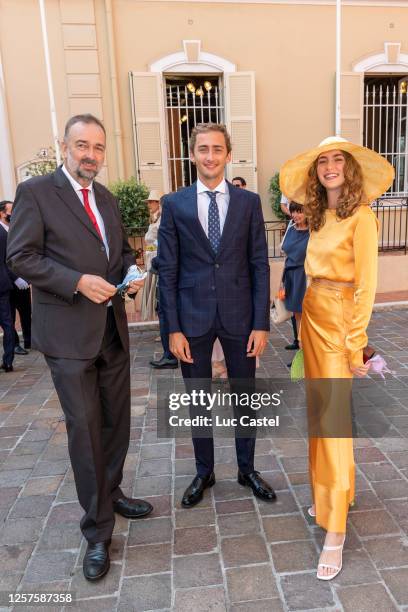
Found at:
[378, 365]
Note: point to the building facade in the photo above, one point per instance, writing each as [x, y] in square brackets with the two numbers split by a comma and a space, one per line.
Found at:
[151, 69]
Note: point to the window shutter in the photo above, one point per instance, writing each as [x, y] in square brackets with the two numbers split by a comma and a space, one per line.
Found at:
[352, 106]
[148, 129]
[240, 115]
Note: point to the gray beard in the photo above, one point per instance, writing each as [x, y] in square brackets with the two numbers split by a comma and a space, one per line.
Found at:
[86, 174]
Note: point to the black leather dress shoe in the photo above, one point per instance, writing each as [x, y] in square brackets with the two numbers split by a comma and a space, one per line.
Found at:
[258, 485]
[96, 561]
[18, 350]
[132, 508]
[194, 493]
[164, 363]
[293, 347]
[7, 368]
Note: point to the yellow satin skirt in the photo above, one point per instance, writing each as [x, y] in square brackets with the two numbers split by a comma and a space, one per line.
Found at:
[326, 315]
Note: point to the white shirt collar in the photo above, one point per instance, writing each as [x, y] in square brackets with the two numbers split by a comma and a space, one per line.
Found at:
[6, 227]
[221, 188]
[77, 186]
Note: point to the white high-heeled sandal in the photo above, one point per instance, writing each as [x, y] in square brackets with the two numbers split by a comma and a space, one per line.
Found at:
[329, 565]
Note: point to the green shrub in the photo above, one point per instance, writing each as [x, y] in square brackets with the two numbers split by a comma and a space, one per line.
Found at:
[275, 196]
[131, 196]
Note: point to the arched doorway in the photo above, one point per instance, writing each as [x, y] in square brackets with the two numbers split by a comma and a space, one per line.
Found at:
[180, 90]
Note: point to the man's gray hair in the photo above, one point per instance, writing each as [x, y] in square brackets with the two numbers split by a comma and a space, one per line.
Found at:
[85, 118]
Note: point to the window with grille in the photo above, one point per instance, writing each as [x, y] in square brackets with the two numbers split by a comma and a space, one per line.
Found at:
[386, 125]
[189, 100]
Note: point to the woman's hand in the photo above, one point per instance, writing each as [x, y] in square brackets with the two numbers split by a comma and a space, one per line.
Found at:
[360, 371]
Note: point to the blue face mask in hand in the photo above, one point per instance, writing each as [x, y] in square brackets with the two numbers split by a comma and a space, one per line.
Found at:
[133, 273]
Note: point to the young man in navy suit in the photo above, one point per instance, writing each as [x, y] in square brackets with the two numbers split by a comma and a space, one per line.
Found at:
[214, 282]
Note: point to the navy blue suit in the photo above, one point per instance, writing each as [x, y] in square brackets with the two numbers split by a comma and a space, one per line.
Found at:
[207, 295]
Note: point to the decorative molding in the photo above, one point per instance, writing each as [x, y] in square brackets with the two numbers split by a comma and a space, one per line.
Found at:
[182, 61]
[392, 51]
[192, 49]
[390, 60]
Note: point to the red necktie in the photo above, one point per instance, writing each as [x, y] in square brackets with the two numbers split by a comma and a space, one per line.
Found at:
[88, 209]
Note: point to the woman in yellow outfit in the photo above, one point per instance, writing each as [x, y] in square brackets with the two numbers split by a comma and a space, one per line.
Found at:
[336, 182]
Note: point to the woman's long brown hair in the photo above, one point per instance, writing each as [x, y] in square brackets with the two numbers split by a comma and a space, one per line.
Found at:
[352, 194]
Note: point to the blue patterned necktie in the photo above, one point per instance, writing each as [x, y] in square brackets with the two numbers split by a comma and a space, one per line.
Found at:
[214, 230]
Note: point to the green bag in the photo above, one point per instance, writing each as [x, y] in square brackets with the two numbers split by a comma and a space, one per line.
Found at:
[297, 369]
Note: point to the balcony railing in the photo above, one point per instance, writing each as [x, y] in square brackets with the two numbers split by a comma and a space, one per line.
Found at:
[392, 214]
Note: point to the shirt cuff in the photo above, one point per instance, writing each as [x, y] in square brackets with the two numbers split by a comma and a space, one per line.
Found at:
[356, 359]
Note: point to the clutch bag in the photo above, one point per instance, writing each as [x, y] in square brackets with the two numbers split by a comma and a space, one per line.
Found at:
[279, 313]
[297, 369]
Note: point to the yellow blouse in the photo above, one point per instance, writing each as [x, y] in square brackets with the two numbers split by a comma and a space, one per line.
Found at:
[346, 250]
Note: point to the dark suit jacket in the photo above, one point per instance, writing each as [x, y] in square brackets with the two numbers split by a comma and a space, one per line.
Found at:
[51, 243]
[194, 283]
[7, 278]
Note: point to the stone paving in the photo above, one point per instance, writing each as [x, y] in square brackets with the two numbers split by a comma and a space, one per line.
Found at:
[231, 552]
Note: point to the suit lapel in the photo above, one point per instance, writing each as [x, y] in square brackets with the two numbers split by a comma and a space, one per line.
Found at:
[191, 209]
[232, 218]
[70, 198]
[105, 211]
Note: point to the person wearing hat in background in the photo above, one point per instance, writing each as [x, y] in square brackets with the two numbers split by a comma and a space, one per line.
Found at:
[153, 204]
[336, 181]
[148, 307]
[151, 291]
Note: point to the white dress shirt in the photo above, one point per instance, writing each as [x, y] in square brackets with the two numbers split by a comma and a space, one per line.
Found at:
[92, 203]
[203, 203]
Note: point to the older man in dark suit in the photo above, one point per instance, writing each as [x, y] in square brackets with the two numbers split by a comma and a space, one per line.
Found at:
[66, 238]
[214, 283]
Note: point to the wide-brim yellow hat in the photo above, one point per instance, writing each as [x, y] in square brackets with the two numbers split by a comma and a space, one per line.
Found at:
[378, 173]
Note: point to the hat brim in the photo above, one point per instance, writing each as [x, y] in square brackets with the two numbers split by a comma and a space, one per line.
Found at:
[378, 173]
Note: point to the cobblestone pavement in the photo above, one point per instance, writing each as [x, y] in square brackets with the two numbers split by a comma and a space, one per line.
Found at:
[230, 552]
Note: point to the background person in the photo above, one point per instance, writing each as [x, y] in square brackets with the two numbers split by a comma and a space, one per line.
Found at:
[67, 239]
[167, 361]
[336, 181]
[240, 182]
[294, 277]
[20, 295]
[284, 206]
[7, 280]
[148, 308]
